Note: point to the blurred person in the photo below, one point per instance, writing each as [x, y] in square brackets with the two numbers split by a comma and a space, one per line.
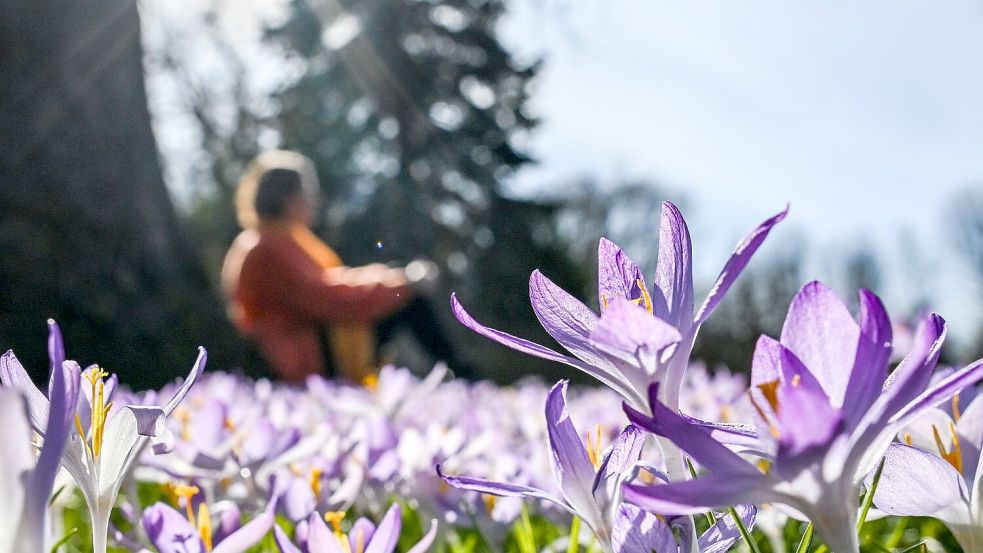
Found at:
[293, 296]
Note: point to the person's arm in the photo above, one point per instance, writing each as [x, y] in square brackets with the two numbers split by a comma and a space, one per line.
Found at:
[337, 295]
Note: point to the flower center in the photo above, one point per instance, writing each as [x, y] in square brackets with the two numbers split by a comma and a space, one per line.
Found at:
[99, 411]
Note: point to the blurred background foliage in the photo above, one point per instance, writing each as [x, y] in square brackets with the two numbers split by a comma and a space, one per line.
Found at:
[415, 115]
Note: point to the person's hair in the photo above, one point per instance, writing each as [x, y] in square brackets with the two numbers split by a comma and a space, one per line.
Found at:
[269, 182]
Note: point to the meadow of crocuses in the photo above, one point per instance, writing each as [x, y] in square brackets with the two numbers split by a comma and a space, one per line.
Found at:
[837, 441]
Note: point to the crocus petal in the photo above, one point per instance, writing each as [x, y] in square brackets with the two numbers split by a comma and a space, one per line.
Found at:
[121, 440]
[564, 317]
[629, 328]
[732, 269]
[298, 500]
[636, 530]
[170, 531]
[149, 419]
[361, 533]
[694, 440]
[624, 453]
[193, 376]
[64, 392]
[821, 332]
[427, 540]
[917, 483]
[498, 488]
[875, 432]
[247, 536]
[674, 269]
[615, 382]
[574, 471]
[807, 425]
[320, 539]
[259, 442]
[56, 351]
[941, 392]
[741, 436]
[870, 364]
[913, 374]
[704, 493]
[13, 375]
[773, 361]
[283, 542]
[387, 533]
[209, 428]
[16, 459]
[970, 430]
[617, 275]
[616, 468]
[229, 517]
[724, 533]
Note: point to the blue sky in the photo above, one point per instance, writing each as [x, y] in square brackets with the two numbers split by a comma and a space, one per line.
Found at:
[866, 116]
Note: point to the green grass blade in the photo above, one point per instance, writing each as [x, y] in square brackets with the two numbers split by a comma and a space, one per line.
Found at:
[869, 498]
[806, 540]
[574, 536]
[752, 545]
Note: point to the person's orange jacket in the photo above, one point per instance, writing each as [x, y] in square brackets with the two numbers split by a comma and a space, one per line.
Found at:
[282, 295]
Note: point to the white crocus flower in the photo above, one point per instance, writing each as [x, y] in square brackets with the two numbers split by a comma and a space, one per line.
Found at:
[101, 452]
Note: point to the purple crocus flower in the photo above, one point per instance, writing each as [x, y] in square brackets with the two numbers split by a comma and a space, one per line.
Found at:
[642, 335]
[363, 537]
[590, 488]
[936, 472]
[26, 483]
[826, 414]
[100, 457]
[173, 532]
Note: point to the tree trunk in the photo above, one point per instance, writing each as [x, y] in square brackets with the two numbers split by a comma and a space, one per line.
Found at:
[88, 233]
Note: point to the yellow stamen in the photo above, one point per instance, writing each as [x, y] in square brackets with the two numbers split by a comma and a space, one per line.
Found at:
[770, 391]
[334, 518]
[187, 492]
[954, 457]
[370, 381]
[489, 501]
[594, 447]
[646, 298]
[907, 438]
[955, 408]
[205, 526]
[726, 413]
[316, 481]
[229, 425]
[184, 417]
[98, 412]
[764, 465]
[604, 300]
[81, 431]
